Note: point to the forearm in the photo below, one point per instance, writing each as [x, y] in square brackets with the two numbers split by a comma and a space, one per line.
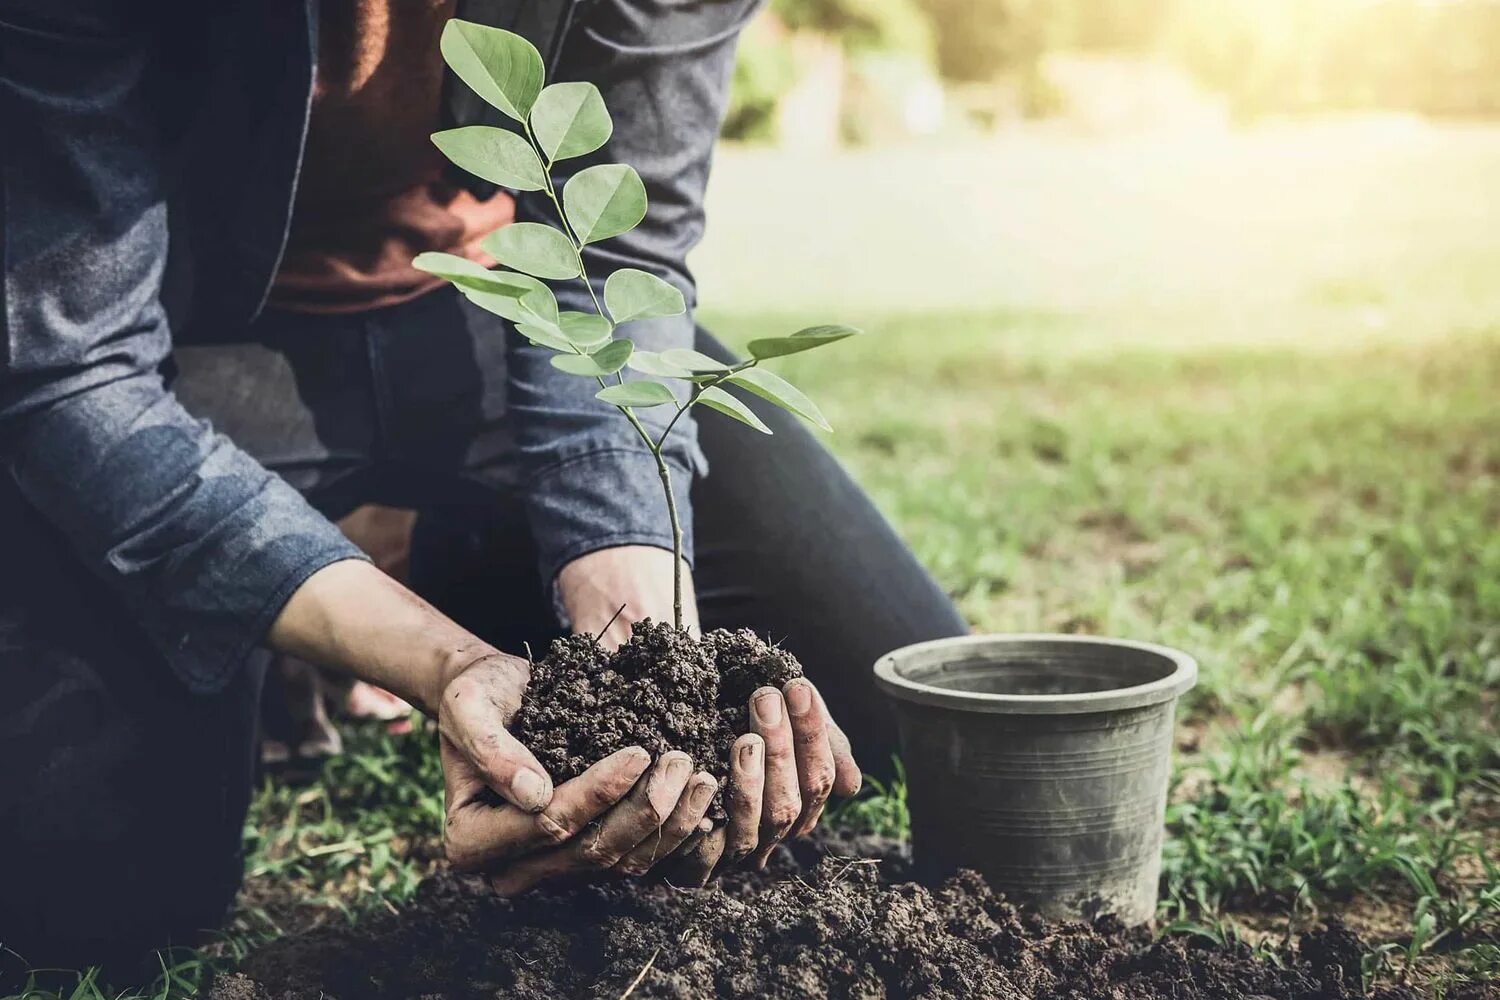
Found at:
[352, 617]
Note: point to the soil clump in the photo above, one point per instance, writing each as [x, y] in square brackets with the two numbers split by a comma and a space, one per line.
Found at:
[663, 690]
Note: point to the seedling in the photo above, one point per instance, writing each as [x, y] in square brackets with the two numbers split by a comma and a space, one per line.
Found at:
[560, 122]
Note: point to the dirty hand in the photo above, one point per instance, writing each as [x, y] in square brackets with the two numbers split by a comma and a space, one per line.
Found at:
[781, 775]
[781, 772]
[504, 817]
[614, 816]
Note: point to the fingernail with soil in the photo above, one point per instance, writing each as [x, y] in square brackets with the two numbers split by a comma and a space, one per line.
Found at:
[768, 708]
[530, 790]
[664, 787]
[703, 790]
[639, 756]
[750, 753]
[799, 698]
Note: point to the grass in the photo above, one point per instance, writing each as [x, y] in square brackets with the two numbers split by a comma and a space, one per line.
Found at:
[1318, 528]
[1285, 460]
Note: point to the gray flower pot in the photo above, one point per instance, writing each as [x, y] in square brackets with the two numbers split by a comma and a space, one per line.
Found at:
[1041, 761]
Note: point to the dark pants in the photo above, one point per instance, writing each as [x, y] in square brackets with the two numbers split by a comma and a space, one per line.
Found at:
[122, 797]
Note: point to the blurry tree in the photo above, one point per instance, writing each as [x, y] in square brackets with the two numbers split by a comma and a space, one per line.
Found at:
[878, 25]
[1272, 56]
[1439, 57]
[766, 69]
[1268, 56]
[977, 40]
[763, 72]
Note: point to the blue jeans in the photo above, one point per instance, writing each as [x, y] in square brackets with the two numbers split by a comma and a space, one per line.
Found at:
[122, 796]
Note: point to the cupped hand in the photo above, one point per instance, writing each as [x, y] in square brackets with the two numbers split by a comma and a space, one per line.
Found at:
[617, 818]
[622, 814]
[782, 773]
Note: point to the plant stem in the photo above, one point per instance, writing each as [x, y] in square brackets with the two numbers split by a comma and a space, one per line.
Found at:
[567, 226]
[698, 390]
[655, 447]
[666, 486]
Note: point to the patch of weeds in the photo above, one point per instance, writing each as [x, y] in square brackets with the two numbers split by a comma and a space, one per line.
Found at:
[358, 837]
[1256, 836]
[880, 809]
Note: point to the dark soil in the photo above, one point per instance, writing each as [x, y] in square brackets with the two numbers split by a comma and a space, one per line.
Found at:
[663, 690]
[818, 925]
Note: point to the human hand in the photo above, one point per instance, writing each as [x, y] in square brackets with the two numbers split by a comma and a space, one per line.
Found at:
[593, 588]
[782, 773]
[503, 815]
[609, 817]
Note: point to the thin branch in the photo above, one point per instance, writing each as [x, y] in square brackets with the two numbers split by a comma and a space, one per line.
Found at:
[612, 620]
[640, 975]
[567, 226]
[698, 390]
[654, 446]
[666, 485]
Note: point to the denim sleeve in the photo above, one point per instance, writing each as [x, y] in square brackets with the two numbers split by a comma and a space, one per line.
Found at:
[201, 542]
[664, 68]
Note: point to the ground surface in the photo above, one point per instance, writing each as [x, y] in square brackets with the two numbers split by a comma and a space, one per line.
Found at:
[1238, 398]
[835, 923]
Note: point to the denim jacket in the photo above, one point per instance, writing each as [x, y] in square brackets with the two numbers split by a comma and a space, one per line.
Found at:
[149, 152]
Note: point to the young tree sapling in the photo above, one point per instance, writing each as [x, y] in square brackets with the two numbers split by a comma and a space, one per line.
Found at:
[559, 122]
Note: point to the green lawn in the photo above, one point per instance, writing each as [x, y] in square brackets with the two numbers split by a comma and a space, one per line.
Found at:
[1239, 399]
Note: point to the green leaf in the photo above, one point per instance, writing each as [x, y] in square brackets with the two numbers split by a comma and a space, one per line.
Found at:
[717, 399]
[534, 248]
[641, 393]
[545, 336]
[802, 340]
[604, 201]
[770, 386]
[586, 330]
[606, 361]
[470, 275]
[652, 363]
[459, 270]
[632, 294]
[500, 66]
[521, 299]
[498, 156]
[693, 361]
[570, 119]
[613, 355]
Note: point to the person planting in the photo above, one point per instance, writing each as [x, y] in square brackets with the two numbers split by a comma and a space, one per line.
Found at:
[214, 341]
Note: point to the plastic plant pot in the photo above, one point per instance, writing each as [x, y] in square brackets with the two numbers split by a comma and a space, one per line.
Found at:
[1042, 762]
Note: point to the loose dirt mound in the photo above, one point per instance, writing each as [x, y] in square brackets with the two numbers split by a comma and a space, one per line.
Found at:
[833, 926]
[663, 690]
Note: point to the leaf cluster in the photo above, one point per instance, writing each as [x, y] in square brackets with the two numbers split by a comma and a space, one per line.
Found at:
[564, 121]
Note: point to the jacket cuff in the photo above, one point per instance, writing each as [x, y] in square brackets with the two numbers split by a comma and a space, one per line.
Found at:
[207, 659]
[601, 499]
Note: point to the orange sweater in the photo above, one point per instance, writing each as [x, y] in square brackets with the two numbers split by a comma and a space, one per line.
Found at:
[372, 193]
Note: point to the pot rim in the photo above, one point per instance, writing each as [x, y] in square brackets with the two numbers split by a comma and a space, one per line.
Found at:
[1183, 676]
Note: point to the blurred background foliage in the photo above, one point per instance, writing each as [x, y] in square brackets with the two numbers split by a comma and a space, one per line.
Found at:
[824, 72]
